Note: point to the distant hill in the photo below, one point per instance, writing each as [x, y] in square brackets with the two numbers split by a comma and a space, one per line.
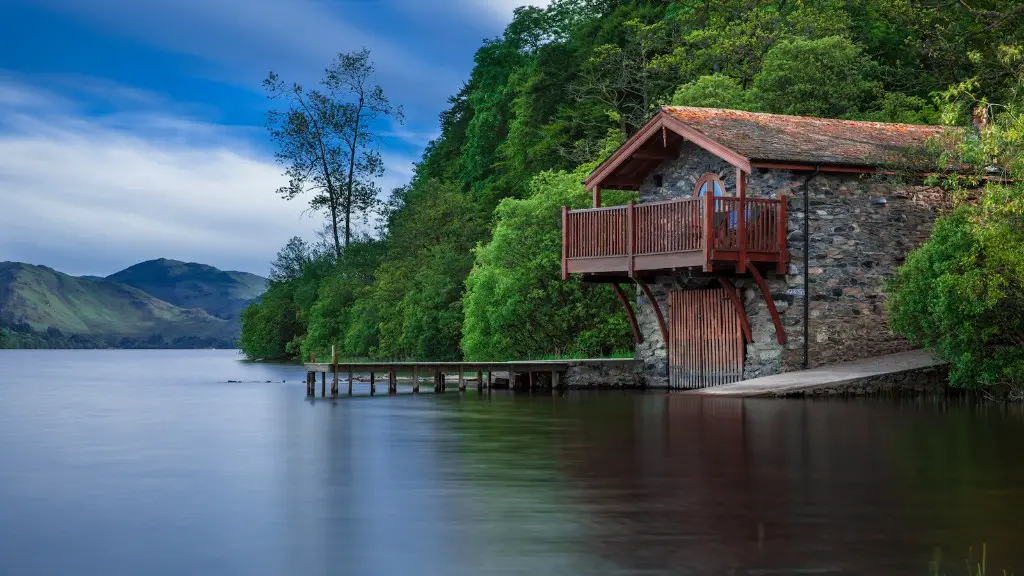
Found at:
[40, 307]
[190, 285]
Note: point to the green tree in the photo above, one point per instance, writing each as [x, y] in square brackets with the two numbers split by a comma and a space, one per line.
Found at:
[517, 305]
[326, 141]
[962, 293]
[830, 78]
[715, 91]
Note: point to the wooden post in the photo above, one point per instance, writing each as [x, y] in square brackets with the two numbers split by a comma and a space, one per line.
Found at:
[490, 379]
[334, 368]
[556, 380]
[462, 380]
[309, 385]
[479, 380]
[597, 196]
[630, 234]
[783, 240]
[415, 379]
[373, 384]
[323, 384]
[529, 379]
[565, 248]
[392, 382]
[349, 379]
[741, 189]
[709, 222]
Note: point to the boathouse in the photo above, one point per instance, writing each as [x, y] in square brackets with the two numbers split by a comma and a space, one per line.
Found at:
[760, 242]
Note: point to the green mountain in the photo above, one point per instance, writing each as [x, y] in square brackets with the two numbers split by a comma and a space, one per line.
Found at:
[40, 307]
[223, 294]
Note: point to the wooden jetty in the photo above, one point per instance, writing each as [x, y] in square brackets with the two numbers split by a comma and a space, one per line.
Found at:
[533, 374]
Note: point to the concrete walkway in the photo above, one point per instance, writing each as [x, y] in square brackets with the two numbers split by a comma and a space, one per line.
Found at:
[824, 377]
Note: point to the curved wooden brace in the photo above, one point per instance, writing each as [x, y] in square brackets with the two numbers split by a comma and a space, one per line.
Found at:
[637, 337]
[780, 333]
[744, 321]
[657, 309]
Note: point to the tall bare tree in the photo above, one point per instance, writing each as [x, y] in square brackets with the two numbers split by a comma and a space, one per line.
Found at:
[326, 140]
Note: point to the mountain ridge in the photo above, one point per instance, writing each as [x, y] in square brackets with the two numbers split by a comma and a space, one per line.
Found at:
[42, 307]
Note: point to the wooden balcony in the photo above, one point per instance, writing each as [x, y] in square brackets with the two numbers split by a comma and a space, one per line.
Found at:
[709, 232]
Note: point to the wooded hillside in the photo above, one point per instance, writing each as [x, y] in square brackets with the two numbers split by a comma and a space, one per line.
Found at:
[467, 260]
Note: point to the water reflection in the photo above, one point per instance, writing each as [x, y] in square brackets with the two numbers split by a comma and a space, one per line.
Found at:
[116, 462]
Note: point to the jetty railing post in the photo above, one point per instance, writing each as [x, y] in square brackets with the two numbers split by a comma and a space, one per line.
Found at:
[349, 379]
[415, 379]
[334, 368]
[373, 384]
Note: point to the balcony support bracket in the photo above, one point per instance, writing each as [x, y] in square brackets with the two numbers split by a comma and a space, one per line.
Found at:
[744, 321]
[657, 308]
[637, 336]
[780, 332]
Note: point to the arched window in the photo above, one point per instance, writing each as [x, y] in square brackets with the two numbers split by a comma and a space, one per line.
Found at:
[709, 182]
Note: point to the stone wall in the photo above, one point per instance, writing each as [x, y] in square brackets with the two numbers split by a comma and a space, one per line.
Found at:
[860, 228]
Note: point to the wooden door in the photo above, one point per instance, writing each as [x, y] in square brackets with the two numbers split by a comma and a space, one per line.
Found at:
[705, 339]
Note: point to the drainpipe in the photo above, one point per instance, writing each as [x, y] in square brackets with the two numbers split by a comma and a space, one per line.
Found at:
[807, 266]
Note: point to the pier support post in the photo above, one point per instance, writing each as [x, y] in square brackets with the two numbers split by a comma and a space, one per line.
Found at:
[309, 383]
[392, 382]
[373, 384]
[323, 384]
[556, 380]
[479, 380]
[462, 380]
[334, 369]
[490, 380]
[350, 380]
[415, 380]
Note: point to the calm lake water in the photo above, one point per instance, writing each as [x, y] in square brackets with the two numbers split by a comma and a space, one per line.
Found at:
[143, 462]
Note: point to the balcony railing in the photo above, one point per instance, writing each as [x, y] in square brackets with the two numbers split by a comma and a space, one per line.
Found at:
[673, 234]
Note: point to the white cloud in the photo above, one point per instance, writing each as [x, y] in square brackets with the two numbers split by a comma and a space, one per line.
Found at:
[502, 9]
[249, 37]
[93, 195]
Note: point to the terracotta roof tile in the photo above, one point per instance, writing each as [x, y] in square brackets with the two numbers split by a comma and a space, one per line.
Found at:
[779, 138]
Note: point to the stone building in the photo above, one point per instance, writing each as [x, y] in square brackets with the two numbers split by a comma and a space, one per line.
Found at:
[760, 242]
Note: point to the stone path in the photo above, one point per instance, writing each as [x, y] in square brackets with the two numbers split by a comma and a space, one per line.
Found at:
[824, 377]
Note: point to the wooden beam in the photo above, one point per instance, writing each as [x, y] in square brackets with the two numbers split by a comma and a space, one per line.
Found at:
[744, 320]
[780, 332]
[741, 191]
[637, 336]
[657, 309]
[565, 242]
[660, 156]
[811, 167]
[700, 139]
[596, 191]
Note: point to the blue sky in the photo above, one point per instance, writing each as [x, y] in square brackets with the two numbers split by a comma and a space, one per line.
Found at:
[133, 129]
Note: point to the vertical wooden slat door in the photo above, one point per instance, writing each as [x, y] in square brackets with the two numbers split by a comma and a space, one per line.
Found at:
[705, 339]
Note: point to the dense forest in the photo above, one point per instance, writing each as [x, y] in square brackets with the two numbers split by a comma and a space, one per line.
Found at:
[466, 261]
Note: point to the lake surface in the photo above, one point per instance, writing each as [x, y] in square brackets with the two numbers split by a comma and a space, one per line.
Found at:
[152, 462]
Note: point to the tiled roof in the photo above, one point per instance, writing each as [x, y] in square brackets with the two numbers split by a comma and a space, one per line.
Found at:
[779, 138]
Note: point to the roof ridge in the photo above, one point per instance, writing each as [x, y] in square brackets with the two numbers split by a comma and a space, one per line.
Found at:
[745, 113]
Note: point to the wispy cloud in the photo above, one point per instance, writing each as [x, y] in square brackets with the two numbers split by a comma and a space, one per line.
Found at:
[502, 10]
[248, 37]
[81, 195]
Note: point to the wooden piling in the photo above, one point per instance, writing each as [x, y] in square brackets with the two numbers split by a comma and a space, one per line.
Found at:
[462, 380]
[490, 380]
[479, 380]
[323, 384]
[556, 380]
[373, 384]
[334, 368]
[415, 380]
[392, 382]
[350, 380]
